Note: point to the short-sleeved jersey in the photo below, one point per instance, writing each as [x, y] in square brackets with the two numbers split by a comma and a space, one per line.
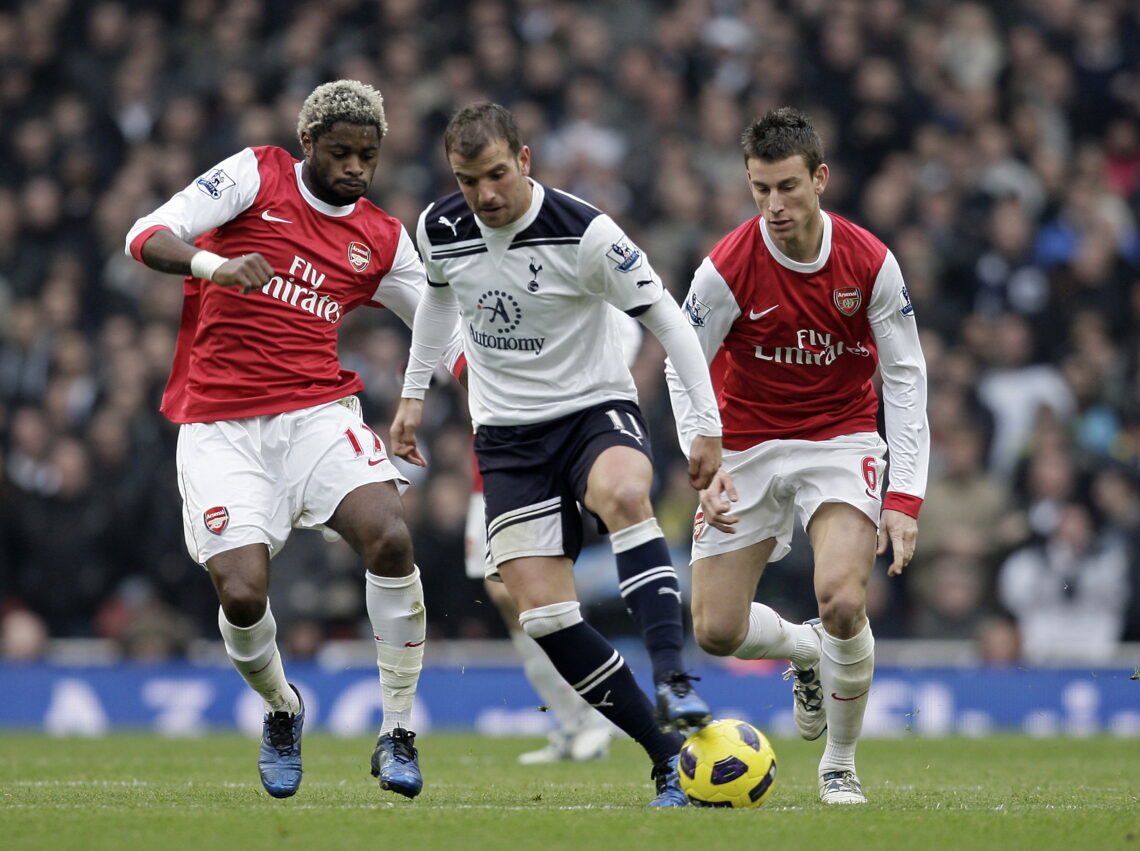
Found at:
[275, 349]
[533, 304]
[793, 347]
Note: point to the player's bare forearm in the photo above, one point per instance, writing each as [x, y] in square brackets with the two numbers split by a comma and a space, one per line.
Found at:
[165, 252]
[704, 460]
[408, 417]
[716, 502]
[900, 531]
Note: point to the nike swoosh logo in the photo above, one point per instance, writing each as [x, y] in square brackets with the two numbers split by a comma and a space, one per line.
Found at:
[269, 217]
[266, 665]
[413, 643]
[752, 314]
[372, 463]
[856, 697]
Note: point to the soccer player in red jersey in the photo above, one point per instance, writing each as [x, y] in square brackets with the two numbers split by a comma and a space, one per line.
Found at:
[795, 309]
[276, 252]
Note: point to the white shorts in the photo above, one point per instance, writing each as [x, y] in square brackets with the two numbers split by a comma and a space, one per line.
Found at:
[780, 479]
[253, 480]
[475, 538]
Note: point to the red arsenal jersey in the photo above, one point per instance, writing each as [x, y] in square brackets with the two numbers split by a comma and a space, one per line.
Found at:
[275, 349]
[799, 358]
[793, 346]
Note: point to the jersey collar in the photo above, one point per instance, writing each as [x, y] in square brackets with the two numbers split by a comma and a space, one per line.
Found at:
[795, 265]
[507, 232]
[315, 202]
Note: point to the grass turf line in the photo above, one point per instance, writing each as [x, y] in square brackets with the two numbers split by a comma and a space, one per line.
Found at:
[131, 791]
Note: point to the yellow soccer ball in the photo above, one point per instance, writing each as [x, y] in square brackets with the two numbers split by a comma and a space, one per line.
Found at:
[729, 763]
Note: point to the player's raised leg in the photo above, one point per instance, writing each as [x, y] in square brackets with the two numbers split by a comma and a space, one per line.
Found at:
[617, 491]
[371, 519]
[249, 632]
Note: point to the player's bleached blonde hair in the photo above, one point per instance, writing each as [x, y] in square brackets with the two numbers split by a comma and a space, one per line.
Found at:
[341, 100]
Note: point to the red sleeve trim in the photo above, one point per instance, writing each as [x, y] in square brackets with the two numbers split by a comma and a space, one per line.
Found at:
[459, 365]
[137, 242]
[904, 502]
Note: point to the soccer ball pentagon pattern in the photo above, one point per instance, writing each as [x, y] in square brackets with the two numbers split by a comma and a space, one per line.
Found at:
[729, 763]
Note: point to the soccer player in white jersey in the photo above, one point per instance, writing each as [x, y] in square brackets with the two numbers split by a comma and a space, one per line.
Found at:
[795, 309]
[276, 252]
[531, 271]
[580, 732]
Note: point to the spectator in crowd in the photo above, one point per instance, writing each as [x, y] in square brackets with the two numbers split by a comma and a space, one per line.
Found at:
[1069, 591]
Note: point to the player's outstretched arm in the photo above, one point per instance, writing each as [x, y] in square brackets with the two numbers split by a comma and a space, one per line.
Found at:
[901, 532]
[408, 417]
[165, 252]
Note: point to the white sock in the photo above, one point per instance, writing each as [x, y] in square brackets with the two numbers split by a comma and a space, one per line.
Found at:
[771, 637]
[399, 623]
[569, 710]
[253, 651]
[846, 669]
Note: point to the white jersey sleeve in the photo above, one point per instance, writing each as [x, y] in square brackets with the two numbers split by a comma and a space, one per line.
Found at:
[401, 288]
[698, 414]
[435, 333]
[214, 198]
[610, 265]
[903, 371]
[710, 308]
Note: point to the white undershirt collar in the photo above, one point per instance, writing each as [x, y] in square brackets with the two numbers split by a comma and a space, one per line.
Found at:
[795, 265]
[315, 202]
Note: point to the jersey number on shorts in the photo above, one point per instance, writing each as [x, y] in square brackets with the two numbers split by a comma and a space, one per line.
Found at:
[634, 429]
[378, 446]
[871, 476]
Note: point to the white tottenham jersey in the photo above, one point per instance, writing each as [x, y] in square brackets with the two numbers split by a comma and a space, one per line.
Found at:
[532, 298]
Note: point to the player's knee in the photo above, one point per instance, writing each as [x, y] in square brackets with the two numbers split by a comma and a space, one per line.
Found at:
[842, 612]
[627, 503]
[716, 637]
[242, 603]
[387, 551]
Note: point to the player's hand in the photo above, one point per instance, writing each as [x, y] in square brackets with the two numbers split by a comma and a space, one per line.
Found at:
[704, 461]
[901, 532]
[403, 432]
[247, 273]
[716, 502]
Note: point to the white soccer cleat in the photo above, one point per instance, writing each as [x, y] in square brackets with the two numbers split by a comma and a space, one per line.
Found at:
[841, 787]
[556, 750]
[591, 742]
[807, 696]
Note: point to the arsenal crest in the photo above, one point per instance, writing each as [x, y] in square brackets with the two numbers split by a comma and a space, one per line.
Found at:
[698, 525]
[359, 256]
[216, 519]
[847, 299]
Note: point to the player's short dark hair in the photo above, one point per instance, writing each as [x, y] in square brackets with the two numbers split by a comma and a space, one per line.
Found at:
[477, 125]
[782, 133]
[341, 100]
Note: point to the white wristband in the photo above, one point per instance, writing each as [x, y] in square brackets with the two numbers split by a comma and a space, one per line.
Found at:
[205, 263]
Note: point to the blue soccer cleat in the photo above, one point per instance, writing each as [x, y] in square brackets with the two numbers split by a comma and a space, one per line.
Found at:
[279, 760]
[668, 781]
[678, 706]
[397, 763]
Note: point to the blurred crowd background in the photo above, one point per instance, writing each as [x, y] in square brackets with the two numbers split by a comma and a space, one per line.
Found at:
[995, 147]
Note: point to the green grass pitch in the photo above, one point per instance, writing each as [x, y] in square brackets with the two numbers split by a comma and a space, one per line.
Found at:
[132, 791]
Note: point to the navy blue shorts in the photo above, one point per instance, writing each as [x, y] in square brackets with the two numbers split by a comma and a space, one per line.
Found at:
[534, 477]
